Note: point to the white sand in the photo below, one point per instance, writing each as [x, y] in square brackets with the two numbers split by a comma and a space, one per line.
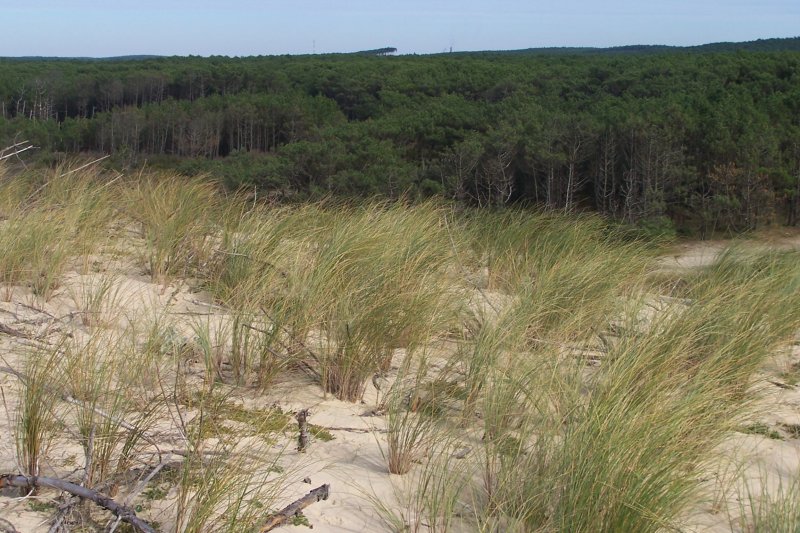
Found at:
[353, 463]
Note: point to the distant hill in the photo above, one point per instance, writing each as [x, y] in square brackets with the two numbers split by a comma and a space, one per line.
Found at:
[788, 44]
[378, 52]
[791, 44]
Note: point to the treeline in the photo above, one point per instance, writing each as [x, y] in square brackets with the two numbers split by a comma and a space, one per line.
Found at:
[703, 141]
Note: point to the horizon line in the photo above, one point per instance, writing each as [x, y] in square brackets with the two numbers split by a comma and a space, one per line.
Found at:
[396, 54]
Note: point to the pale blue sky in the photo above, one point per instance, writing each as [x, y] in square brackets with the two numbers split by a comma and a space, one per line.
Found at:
[251, 27]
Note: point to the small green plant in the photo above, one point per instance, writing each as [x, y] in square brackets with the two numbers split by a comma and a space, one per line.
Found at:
[254, 347]
[220, 411]
[377, 298]
[159, 492]
[39, 506]
[232, 488]
[320, 433]
[36, 246]
[434, 499]
[56, 216]
[759, 428]
[412, 422]
[408, 435]
[209, 344]
[301, 520]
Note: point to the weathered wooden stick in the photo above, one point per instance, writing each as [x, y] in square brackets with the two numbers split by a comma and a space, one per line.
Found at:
[125, 513]
[84, 166]
[6, 156]
[295, 508]
[8, 370]
[215, 453]
[354, 430]
[35, 309]
[40, 189]
[7, 148]
[63, 511]
[8, 330]
[66, 509]
[302, 422]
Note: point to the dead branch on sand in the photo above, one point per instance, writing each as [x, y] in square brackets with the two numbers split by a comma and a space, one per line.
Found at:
[126, 514]
[295, 508]
[302, 423]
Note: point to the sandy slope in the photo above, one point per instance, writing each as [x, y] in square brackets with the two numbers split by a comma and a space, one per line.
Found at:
[353, 463]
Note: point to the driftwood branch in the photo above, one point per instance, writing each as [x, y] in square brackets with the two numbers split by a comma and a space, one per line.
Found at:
[123, 512]
[8, 370]
[70, 503]
[64, 510]
[6, 156]
[8, 148]
[354, 430]
[84, 166]
[36, 309]
[8, 330]
[295, 508]
[40, 189]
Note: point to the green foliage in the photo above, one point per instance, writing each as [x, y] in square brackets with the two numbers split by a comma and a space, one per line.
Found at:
[320, 433]
[41, 506]
[761, 429]
[706, 140]
[300, 520]
[658, 229]
[475, 326]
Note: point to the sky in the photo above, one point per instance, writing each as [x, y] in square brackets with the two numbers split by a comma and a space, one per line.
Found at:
[264, 27]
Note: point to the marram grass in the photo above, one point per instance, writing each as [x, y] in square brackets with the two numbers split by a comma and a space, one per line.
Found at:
[493, 417]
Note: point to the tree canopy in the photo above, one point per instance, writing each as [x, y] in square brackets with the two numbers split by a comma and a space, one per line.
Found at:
[699, 139]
